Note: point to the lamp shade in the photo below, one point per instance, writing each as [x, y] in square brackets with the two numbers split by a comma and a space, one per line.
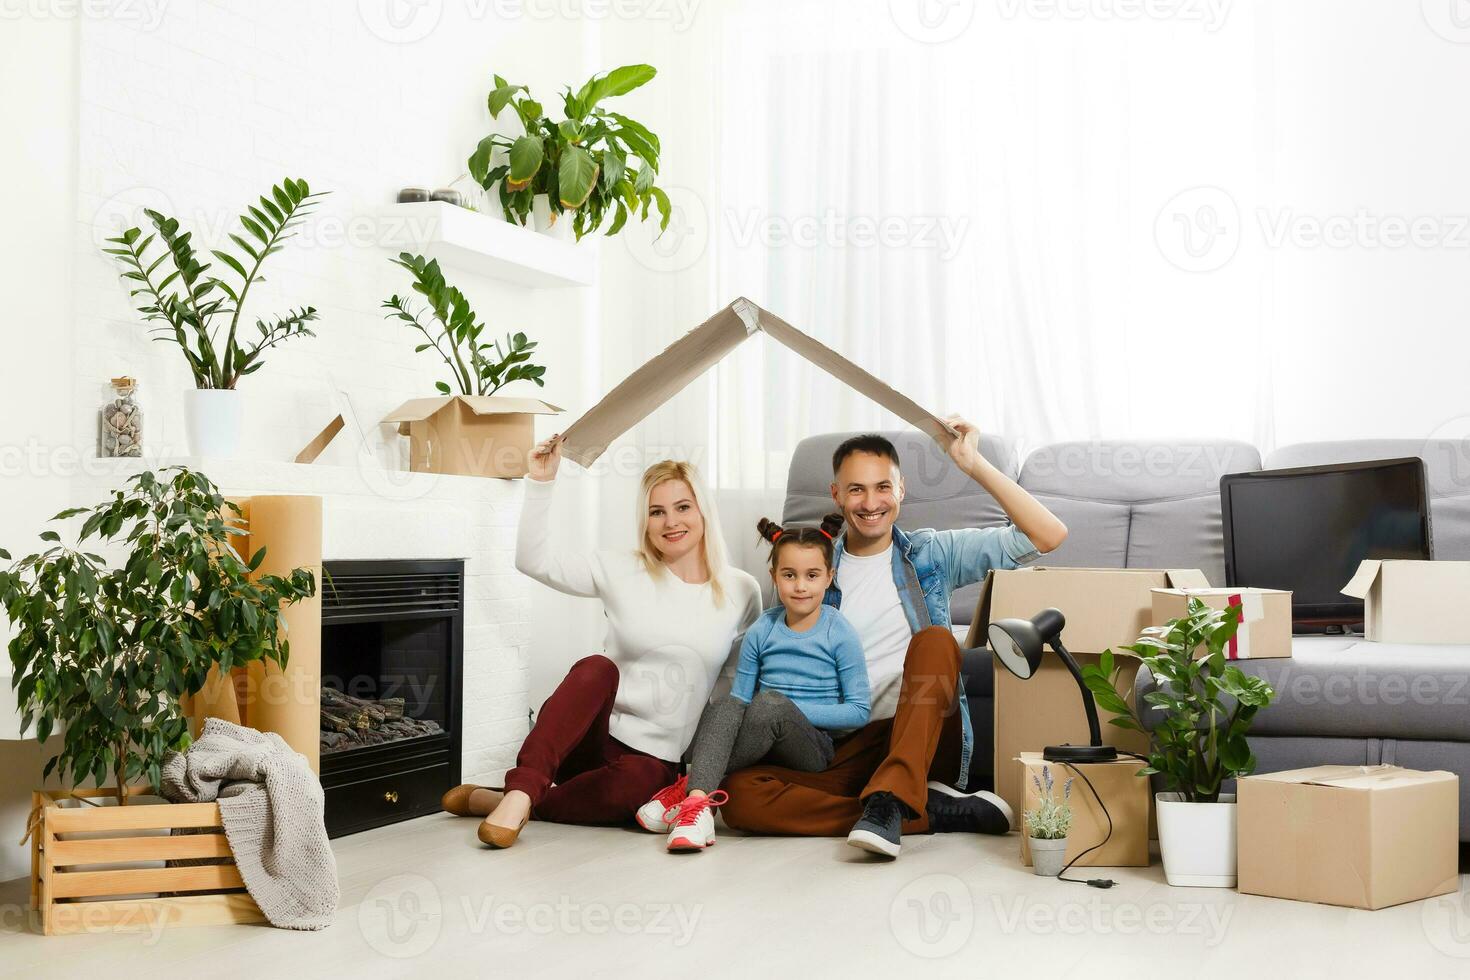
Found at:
[1019, 643]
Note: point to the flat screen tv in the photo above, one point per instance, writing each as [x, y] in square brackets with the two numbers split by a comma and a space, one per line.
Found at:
[1307, 529]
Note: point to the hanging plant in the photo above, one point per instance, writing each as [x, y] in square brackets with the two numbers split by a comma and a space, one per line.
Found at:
[597, 165]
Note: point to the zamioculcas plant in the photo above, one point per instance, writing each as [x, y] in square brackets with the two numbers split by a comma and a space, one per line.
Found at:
[454, 334]
[201, 312]
[1200, 741]
[594, 163]
[105, 652]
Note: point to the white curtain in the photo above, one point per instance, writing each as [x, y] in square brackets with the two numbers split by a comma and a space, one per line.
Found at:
[975, 222]
[1082, 219]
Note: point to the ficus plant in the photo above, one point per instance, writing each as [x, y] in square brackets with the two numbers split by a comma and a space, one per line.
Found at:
[105, 652]
[594, 163]
[453, 331]
[202, 312]
[1206, 703]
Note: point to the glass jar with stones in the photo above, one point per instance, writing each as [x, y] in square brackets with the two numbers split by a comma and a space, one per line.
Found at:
[120, 422]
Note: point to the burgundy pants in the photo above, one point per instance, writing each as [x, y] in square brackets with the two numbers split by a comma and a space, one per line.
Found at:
[572, 768]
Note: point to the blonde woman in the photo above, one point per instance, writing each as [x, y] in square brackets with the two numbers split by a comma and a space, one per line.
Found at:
[612, 733]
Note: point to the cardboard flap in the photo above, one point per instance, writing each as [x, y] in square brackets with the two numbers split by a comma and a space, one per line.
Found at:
[503, 405]
[1356, 777]
[1187, 578]
[416, 409]
[671, 371]
[1362, 581]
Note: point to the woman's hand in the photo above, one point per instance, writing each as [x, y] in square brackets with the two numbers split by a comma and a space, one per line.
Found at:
[545, 459]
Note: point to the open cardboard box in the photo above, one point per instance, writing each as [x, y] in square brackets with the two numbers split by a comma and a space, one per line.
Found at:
[470, 435]
[1412, 601]
[669, 372]
[1106, 608]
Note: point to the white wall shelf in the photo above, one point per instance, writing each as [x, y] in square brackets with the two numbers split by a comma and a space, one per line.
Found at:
[487, 245]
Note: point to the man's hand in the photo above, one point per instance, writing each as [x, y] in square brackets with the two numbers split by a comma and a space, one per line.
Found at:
[545, 459]
[1024, 510]
[965, 451]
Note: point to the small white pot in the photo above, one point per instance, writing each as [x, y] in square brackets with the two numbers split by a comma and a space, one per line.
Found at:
[1197, 840]
[548, 223]
[1048, 857]
[213, 419]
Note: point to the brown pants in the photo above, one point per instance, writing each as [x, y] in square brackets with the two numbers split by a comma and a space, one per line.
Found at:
[897, 755]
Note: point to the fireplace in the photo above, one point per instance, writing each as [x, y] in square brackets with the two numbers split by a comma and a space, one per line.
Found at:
[392, 670]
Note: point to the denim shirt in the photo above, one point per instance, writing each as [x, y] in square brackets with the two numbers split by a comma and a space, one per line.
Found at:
[932, 564]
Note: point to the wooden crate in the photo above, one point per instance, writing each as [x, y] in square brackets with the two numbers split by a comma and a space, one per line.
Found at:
[71, 901]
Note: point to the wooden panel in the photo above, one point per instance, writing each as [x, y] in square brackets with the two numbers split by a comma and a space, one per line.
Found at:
[146, 915]
[113, 849]
[160, 817]
[79, 884]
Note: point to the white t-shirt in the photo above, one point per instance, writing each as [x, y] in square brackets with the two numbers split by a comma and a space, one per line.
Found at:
[870, 603]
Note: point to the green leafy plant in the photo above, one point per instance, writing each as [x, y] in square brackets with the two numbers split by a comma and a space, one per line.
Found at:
[454, 333]
[594, 163]
[1051, 819]
[1200, 741]
[192, 307]
[106, 652]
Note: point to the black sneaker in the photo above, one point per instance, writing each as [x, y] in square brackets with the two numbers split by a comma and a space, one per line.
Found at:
[952, 812]
[880, 828]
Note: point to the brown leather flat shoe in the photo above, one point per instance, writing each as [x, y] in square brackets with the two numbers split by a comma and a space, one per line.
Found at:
[500, 837]
[457, 800]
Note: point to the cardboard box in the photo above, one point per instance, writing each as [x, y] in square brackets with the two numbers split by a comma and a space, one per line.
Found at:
[1362, 836]
[1106, 608]
[1412, 601]
[1265, 628]
[667, 374]
[1121, 790]
[470, 435]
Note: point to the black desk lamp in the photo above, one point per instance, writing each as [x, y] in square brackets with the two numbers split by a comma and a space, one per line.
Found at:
[1020, 643]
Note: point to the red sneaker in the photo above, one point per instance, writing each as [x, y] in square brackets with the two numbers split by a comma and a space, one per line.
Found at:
[653, 815]
[694, 822]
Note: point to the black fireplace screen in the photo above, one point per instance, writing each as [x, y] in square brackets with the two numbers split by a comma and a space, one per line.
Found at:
[392, 662]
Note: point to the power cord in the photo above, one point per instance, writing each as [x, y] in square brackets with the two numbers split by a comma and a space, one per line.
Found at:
[1093, 882]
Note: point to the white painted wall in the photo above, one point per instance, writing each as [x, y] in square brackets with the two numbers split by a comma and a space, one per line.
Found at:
[194, 108]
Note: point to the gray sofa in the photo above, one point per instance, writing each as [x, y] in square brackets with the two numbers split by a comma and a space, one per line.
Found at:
[1157, 505]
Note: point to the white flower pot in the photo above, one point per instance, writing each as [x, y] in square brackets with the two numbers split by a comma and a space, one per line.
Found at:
[1197, 840]
[1048, 857]
[547, 223]
[213, 419]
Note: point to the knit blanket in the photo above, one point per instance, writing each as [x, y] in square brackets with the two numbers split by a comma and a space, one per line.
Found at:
[271, 805]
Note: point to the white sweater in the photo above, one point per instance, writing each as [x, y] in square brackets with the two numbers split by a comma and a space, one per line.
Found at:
[668, 638]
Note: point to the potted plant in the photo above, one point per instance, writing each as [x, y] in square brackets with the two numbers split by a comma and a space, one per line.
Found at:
[1047, 825]
[105, 653]
[1206, 705]
[202, 313]
[593, 163]
[454, 334]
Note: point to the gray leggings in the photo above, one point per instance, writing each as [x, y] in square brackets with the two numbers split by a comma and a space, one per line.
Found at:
[772, 728]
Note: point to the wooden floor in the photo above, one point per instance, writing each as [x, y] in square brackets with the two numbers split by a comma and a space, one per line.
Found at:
[424, 899]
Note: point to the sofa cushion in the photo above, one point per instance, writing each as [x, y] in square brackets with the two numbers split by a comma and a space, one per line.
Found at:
[1138, 504]
[1446, 467]
[936, 493]
[1347, 688]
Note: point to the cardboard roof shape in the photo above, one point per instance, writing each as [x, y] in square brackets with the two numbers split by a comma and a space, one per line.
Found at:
[697, 351]
[418, 409]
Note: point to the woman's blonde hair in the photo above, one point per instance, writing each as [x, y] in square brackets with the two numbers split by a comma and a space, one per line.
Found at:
[712, 541]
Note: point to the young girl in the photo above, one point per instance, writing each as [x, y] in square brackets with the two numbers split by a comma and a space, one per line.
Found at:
[800, 676]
